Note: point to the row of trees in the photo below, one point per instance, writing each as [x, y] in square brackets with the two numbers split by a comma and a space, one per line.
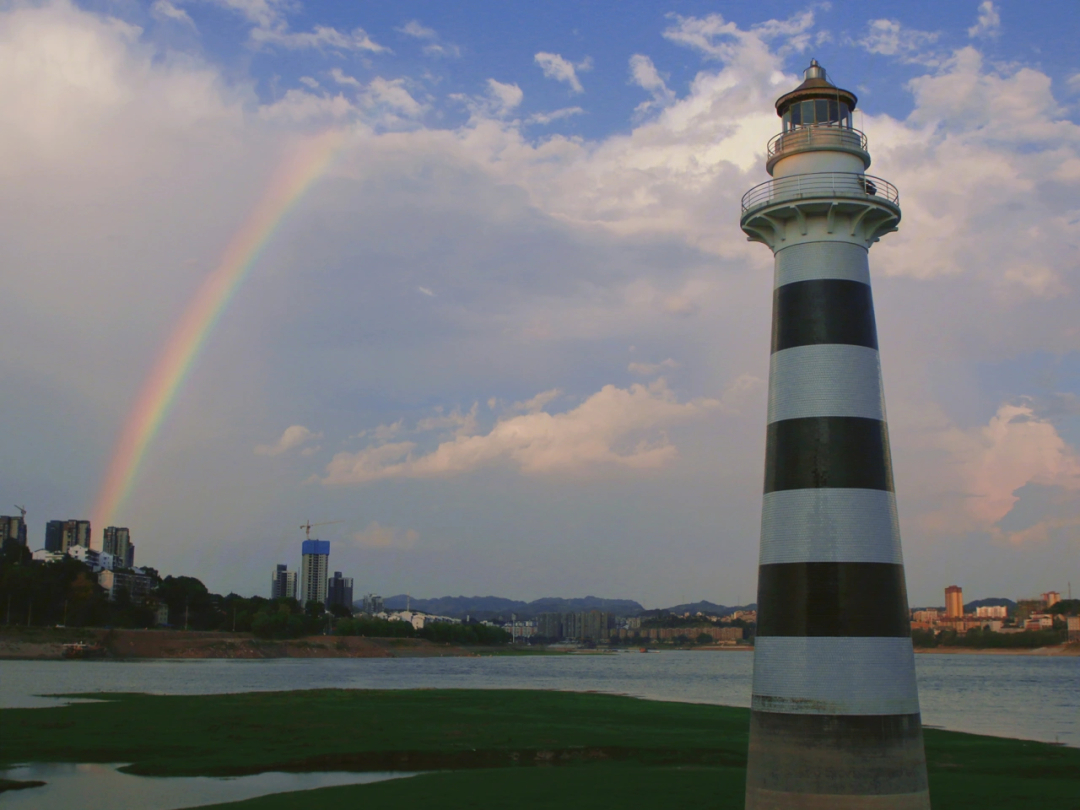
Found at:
[441, 632]
[985, 638]
[66, 592]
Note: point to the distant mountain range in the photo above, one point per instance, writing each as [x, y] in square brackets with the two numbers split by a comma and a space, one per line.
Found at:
[489, 607]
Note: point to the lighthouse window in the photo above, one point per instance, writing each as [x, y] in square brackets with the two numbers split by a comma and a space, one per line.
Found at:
[819, 111]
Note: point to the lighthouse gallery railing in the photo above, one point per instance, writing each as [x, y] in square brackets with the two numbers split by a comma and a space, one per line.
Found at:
[820, 184]
[816, 136]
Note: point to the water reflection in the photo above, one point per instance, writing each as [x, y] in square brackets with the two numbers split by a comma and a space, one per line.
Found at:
[102, 787]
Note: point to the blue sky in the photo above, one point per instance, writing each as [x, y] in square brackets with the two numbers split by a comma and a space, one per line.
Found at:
[514, 339]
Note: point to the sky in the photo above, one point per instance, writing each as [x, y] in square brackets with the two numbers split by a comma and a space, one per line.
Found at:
[502, 333]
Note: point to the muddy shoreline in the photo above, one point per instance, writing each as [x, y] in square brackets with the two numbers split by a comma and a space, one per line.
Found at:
[168, 644]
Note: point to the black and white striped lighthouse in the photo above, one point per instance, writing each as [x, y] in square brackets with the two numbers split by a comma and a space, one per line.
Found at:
[835, 714]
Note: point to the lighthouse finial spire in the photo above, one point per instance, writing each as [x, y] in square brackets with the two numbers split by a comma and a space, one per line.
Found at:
[815, 71]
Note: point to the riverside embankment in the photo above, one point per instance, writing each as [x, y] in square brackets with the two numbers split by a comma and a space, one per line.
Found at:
[57, 643]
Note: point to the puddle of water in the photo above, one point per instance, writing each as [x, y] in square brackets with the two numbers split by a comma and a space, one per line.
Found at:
[102, 787]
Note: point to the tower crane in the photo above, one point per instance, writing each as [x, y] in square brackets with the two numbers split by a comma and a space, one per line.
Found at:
[308, 526]
[22, 509]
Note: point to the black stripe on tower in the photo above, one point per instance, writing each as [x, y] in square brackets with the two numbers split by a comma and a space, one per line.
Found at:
[827, 451]
[832, 599]
[823, 310]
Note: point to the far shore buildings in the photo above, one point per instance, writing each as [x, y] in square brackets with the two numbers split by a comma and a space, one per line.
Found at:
[116, 540]
[339, 591]
[954, 602]
[314, 561]
[13, 527]
[283, 583]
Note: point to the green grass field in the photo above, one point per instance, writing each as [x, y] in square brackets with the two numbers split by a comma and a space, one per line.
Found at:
[488, 749]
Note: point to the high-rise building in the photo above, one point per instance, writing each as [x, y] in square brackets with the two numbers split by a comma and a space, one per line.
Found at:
[54, 536]
[12, 528]
[373, 603]
[339, 591]
[1051, 598]
[835, 718]
[116, 540]
[954, 602]
[313, 566]
[74, 533]
[283, 583]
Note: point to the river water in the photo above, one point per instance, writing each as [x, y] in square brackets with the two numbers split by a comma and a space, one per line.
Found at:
[1028, 697]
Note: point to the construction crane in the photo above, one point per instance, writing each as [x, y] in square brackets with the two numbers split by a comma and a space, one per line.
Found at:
[23, 510]
[307, 527]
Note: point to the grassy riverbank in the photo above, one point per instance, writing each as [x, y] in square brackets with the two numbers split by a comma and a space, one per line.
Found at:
[492, 748]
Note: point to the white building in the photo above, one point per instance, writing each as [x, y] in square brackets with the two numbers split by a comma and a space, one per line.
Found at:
[992, 612]
[313, 570]
[97, 560]
[419, 620]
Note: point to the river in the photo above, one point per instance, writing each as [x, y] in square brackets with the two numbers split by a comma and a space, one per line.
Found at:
[1028, 697]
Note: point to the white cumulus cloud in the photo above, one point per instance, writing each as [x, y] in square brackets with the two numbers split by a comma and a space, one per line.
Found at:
[614, 427]
[295, 436]
[562, 70]
[988, 23]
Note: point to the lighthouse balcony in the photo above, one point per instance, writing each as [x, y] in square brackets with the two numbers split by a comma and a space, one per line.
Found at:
[821, 205]
[823, 186]
[827, 137]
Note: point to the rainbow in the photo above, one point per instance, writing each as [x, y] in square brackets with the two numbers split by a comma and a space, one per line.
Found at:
[287, 186]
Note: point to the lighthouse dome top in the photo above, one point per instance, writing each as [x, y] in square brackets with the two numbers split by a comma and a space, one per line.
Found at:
[798, 108]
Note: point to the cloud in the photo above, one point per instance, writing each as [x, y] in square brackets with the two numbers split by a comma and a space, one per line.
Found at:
[413, 28]
[458, 423]
[890, 38]
[561, 70]
[644, 74]
[554, 115]
[270, 27]
[991, 463]
[505, 96]
[339, 76]
[166, 11]
[391, 102]
[294, 436]
[613, 428]
[319, 38]
[299, 106]
[386, 537]
[425, 291]
[989, 22]
[716, 38]
[646, 369]
[310, 82]
[434, 45]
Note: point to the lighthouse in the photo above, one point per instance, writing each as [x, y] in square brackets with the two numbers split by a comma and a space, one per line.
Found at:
[835, 711]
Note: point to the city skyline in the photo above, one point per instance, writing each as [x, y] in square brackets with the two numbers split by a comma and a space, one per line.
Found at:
[512, 334]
